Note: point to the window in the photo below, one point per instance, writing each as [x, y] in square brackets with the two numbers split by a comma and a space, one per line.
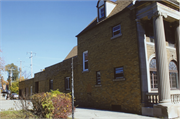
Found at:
[153, 75]
[67, 83]
[117, 30]
[173, 75]
[154, 82]
[50, 85]
[85, 61]
[36, 87]
[20, 92]
[98, 78]
[119, 72]
[101, 12]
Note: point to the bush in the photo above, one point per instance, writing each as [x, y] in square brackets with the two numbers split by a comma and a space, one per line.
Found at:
[62, 105]
[52, 104]
[42, 105]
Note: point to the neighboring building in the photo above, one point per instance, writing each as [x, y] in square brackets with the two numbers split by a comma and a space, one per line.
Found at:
[127, 59]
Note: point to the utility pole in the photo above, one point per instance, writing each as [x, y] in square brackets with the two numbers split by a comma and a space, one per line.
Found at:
[20, 70]
[72, 91]
[31, 63]
[11, 76]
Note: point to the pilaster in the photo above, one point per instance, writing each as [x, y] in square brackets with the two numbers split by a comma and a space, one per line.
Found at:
[142, 59]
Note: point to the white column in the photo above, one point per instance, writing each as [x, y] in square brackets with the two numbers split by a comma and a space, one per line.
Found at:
[161, 59]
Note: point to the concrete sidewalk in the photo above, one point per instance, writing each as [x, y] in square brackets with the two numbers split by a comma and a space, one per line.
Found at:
[83, 113]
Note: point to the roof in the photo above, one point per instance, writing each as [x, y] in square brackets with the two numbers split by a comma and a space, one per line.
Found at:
[121, 5]
[72, 53]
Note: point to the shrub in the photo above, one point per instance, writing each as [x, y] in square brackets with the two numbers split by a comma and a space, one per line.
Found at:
[42, 105]
[55, 92]
[62, 105]
[52, 104]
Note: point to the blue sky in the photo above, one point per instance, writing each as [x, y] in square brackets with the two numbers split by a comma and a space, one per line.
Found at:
[47, 28]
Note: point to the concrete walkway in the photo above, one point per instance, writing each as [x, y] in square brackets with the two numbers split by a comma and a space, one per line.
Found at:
[83, 113]
[80, 113]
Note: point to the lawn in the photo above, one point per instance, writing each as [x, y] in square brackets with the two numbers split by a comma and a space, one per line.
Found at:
[11, 114]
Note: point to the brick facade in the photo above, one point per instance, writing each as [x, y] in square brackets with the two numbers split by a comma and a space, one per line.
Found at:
[104, 54]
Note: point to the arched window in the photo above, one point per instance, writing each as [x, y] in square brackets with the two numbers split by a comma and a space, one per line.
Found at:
[173, 75]
[153, 74]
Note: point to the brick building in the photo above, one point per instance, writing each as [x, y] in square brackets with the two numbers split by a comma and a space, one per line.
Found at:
[127, 59]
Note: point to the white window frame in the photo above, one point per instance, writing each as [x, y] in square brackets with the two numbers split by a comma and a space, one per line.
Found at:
[113, 31]
[85, 52]
[67, 78]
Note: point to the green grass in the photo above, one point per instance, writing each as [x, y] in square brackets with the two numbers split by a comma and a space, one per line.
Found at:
[12, 114]
[8, 114]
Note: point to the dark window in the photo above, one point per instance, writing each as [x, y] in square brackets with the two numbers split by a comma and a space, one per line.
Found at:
[67, 83]
[117, 30]
[119, 72]
[20, 92]
[36, 87]
[51, 85]
[98, 78]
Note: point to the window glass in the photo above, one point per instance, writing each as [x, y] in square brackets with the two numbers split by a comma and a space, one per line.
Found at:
[101, 12]
[119, 72]
[85, 61]
[172, 66]
[98, 78]
[67, 83]
[173, 75]
[153, 63]
[116, 30]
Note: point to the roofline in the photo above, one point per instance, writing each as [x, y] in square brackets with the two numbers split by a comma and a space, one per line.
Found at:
[125, 9]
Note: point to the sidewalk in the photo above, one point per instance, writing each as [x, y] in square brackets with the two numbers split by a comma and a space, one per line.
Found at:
[83, 113]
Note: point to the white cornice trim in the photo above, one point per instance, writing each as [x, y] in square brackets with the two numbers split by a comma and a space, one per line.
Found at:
[157, 7]
[149, 43]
